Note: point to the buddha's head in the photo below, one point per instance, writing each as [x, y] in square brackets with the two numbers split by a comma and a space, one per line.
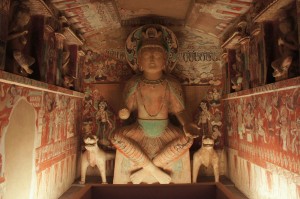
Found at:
[152, 55]
[153, 39]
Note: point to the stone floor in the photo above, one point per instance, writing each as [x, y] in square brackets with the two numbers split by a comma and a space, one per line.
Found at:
[75, 187]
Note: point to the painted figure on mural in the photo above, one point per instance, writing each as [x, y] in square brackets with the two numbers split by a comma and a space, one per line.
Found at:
[88, 66]
[87, 126]
[100, 73]
[215, 97]
[216, 134]
[105, 125]
[295, 132]
[273, 116]
[87, 73]
[284, 128]
[204, 117]
[153, 142]
[238, 67]
[217, 118]
[17, 36]
[88, 109]
[260, 130]
[50, 105]
[231, 119]
[240, 122]
[249, 121]
[8, 98]
[287, 64]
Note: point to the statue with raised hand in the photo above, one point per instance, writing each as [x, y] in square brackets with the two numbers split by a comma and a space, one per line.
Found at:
[153, 143]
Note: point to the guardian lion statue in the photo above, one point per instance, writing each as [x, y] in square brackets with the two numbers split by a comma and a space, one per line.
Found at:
[206, 155]
[94, 156]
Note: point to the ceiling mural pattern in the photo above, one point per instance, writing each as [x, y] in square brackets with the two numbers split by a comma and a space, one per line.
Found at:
[88, 16]
[218, 14]
[106, 24]
[198, 60]
[91, 17]
[129, 9]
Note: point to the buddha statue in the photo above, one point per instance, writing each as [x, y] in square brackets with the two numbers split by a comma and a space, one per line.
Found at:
[152, 148]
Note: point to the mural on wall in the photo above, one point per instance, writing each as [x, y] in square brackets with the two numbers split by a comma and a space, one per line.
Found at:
[98, 117]
[209, 117]
[262, 126]
[103, 68]
[90, 16]
[265, 128]
[56, 146]
[199, 59]
[129, 9]
[219, 14]
[109, 39]
[97, 21]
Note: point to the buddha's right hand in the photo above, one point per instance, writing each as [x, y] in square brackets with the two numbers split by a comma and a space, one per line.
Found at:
[124, 114]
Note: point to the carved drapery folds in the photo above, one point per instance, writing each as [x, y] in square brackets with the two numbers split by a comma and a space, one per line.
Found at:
[235, 57]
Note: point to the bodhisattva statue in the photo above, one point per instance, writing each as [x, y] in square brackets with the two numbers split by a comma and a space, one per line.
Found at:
[153, 143]
[17, 36]
[287, 64]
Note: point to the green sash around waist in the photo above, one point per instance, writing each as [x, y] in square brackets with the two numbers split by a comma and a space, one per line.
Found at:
[153, 128]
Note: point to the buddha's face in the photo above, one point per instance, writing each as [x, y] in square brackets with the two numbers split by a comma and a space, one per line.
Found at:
[152, 59]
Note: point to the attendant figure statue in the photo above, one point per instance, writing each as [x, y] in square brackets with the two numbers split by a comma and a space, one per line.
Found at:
[17, 36]
[68, 79]
[153, 144]
[287, 64]
[104, 123]
[204, 117]
[238, 67]
[237, 80]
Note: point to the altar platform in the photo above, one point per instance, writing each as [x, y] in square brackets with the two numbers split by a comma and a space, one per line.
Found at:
[205, 189]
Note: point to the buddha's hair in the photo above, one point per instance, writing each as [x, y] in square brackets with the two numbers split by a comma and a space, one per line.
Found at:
[151, 37]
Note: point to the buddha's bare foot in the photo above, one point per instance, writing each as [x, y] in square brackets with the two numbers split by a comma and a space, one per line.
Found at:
[138, 176]
[161, 176]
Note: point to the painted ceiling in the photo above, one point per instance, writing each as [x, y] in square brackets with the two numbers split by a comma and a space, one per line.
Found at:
[92, 18]
[104, 25]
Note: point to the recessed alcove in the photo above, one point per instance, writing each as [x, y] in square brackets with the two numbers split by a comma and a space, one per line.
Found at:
[43, 117]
